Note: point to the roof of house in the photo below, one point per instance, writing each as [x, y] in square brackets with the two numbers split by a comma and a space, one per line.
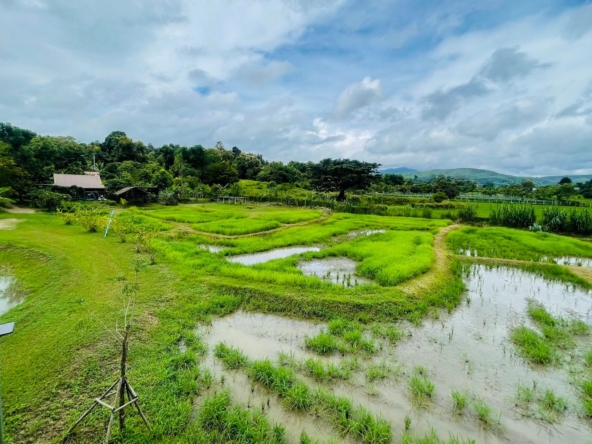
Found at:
[78, 180]
[126, 189]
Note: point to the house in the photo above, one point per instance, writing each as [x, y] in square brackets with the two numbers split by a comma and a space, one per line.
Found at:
[90, 182]
[135, 194]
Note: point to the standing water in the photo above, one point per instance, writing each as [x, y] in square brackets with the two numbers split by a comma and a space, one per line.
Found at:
[468, 351]
[9, 298]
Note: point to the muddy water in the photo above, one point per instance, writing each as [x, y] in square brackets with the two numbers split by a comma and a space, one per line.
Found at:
[359, 233]
[278, 253]
[9, 298]
[339, 270]
[260, 337]
[468, 350]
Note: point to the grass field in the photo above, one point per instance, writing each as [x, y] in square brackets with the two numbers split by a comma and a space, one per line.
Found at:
[63, 353]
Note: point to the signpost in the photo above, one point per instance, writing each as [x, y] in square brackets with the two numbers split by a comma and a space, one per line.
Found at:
[5, 329]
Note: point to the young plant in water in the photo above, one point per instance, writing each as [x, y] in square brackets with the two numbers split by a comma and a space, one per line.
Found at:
[459, 400]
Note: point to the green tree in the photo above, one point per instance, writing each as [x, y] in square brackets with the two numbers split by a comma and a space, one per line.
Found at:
[221, 173]
[564, 181]
[162, 179]
[393, 179]
[248, 166]
[279, 173]
[341, 175]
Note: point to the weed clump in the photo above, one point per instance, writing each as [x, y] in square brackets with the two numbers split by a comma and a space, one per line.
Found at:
[323, 344]
[232, 357]
[532, 345]
[459, 400]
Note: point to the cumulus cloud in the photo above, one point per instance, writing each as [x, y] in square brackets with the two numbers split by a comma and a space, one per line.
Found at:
[272, 76]
[358, 95]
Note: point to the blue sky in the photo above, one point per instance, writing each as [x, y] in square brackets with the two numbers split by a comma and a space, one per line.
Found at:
[503, 85]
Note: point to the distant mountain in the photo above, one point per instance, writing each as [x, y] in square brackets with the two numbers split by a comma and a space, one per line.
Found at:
[401, 170]
[484, 176]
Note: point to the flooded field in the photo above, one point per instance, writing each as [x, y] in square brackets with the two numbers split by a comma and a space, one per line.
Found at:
[278, 253]
[9, 298]
[468, 351]
[339, 270]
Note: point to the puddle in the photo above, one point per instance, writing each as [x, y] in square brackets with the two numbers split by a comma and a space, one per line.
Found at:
[212, 248]
[468, 350]
[355, 234]
[278, 253]
[339, 270]
[9, 298]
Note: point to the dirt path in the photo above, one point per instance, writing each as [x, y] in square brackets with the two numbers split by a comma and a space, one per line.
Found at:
[9, 224]
[440, 267]
[17, 210]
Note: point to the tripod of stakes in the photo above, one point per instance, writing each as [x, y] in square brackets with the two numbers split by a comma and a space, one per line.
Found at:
[122, 389]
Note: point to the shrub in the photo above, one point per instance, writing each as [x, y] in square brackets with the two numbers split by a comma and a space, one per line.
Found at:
[513, 215]
[48, 200]
[561, 221]
[90, 219]
[440, 196]
[468, 213]
[167, 197]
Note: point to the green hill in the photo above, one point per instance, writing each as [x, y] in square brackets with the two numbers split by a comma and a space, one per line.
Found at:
[484, 176]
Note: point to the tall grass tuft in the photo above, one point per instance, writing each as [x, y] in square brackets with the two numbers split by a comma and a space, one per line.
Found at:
[513, 215]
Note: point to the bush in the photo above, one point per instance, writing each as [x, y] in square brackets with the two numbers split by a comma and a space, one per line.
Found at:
[468, 213]
[48, 200]
[90, 219]
[440, 196]
[562, 221]
[167, 197]
[513, 215]
[122, 226]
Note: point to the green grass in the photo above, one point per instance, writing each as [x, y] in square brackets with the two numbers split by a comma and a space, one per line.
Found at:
[378, 371]
[508, 243]
[232, 357]
[326, 372]
[323, 344]
[485, 414]
[73, 282]
[532, 346]
[421, 388]
[459, 400]
[233, 227]
[219, 422]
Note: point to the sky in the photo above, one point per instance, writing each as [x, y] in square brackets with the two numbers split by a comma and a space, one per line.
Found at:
[497, 84]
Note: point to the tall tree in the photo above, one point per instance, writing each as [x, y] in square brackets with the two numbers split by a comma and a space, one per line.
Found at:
[342, 175]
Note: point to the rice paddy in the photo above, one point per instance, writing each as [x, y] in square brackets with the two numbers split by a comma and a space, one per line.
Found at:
[270, 324]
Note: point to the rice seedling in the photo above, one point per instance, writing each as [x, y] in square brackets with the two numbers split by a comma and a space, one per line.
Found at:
[328, 372]
[532, 346]
[378, 371]
[421, 388]
[298, 396]
[484, 413]
[551, 402]
[224, 423]
[231, 357]
[323, 343]
[524, 395]
[386, 331]
[514, 244]
[459, 400]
